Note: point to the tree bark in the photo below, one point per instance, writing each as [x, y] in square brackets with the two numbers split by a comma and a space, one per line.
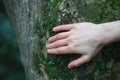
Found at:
[23, 15]
[33, 21]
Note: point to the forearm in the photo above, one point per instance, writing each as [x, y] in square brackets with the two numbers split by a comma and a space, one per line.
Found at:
[111, 32]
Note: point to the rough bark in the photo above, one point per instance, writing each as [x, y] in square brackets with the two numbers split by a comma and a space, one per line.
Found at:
[33, 24]
[23, 15]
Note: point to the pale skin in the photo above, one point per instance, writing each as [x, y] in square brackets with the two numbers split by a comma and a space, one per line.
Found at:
[84, 38]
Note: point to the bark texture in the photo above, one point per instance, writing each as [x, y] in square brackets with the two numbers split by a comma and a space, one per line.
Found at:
[33, 23]
[24, 15]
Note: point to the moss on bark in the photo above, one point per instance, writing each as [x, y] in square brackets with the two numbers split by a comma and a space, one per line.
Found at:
[58, 12]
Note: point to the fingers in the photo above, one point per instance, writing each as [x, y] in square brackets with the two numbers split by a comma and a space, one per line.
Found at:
[61, 50]
[59, 36]
[57, 43]
[63, 28]
[83, 59]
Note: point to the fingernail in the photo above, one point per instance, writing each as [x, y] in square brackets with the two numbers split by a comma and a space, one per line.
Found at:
[49, 40]
[70, 67]
[49, 51]
[47, 46]
[54, 28]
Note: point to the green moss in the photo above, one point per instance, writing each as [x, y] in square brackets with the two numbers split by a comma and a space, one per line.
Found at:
[54, 65]
[56, 12]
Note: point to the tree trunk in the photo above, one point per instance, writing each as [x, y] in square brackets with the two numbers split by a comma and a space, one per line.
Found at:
[23, 15]
[33, 21]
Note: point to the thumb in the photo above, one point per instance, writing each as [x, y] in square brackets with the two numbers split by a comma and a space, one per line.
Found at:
[77, 62]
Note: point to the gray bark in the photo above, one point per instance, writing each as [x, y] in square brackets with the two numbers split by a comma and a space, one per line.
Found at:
[24, 15]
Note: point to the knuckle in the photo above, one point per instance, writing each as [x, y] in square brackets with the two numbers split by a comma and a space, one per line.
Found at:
[87, 59]
[60, 42]
[57, 36]
[72, 49]
[65, 41]
[57, 43]
[58, 50]
[76, 64]
[60, 34]
[55, 51]
[70, 39]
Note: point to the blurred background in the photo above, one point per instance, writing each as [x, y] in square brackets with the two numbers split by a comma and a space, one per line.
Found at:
[11, 67]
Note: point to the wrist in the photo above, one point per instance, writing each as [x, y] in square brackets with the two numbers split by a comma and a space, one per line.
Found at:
[106, 38]
[110, 32]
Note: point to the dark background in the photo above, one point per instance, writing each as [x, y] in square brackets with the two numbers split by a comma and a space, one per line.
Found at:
[11, 67]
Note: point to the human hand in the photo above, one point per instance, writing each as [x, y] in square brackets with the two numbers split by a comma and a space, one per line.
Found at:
[81, 38]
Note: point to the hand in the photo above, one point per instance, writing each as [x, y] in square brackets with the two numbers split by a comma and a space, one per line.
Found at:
[81, 38]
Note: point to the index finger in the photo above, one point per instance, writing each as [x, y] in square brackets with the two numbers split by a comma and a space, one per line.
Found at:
[63, 28]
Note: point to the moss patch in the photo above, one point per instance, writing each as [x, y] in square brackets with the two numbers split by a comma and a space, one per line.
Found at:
[57, 12]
